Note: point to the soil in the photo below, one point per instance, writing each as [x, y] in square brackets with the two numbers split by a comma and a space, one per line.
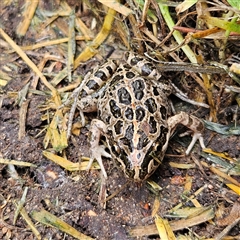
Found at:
[73, 196]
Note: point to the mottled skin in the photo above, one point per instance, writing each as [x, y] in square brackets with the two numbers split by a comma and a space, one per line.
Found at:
[134, 115]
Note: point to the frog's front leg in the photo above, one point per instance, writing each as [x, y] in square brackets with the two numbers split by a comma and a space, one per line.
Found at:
[97, 129]
[192, 123]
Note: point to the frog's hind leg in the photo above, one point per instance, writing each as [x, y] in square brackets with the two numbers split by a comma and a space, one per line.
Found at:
[97, 129]
[191, 122]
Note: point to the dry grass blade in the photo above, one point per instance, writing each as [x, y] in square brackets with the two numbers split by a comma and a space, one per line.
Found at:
[30, 64]
[222, 174]
[29, 222]
[4, 77]
[16, 162]
[175, 225]
[221, 155]
[70, 166]
[20, 205]
[51, 43]
[232, 168]
[235, 68]
[89, 51]
[53, 221]
[56, 135]
[222, 235]
[185, 5]
[114, 4]
[235, 188]
[207, 84]
[182, 165]
[71, 45]
[231, 26]
[164, 229]
[187, 212]
[30, 8]
[190, 198]
[22, 119]
[145, 10]
[156, 206]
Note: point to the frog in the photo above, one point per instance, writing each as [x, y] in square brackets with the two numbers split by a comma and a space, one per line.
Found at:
[134, 115]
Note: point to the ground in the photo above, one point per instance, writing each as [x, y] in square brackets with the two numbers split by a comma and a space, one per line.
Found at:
[73, 196]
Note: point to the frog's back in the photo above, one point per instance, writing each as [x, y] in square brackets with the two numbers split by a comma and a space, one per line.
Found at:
[135, 111]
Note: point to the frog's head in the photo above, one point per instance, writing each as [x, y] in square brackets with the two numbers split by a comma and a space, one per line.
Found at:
[139, 152]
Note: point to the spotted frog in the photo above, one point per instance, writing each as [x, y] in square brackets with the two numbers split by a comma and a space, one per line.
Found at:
[134, 115]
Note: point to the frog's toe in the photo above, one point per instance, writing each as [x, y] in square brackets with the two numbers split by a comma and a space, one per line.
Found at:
[196, 136]
[97, 154]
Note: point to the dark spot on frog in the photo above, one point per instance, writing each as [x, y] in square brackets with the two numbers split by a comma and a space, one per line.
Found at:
[142, 141]
[119, 153]
[147, 68]
[200, 127]
[130, 74]
[129, 113]
[139, 95]
[129, 132]
[151, 105]
[140, 113]
[110, 70]
[138, 87]
[163, 112]
[107, 119]
[115, 79]
[127, 139]
[118, 127]
[92, 84]
[100, 74]
[153, 125]
[83, 93]
[155, 91]
[115, 110]
[162, 138]
[124, 96]
[135, 61]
